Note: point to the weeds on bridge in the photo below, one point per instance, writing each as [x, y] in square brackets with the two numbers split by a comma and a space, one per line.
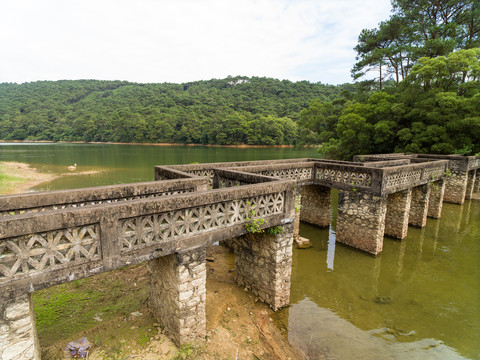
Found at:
[253, 225]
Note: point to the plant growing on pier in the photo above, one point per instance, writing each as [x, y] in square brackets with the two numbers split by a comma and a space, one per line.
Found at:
[253, 225]
[275, 230]
[447, 173]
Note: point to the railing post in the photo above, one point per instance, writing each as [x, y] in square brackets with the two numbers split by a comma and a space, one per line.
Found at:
[18, 334]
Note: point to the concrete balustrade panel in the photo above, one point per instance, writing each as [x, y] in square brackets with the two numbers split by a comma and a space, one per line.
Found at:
[18, 335]
[435, 202]
[456, 187]
[398, 209]
[263, 265]
[315, 203]
[470, 184]
[178, 294]
[361, 220]
[419, 206]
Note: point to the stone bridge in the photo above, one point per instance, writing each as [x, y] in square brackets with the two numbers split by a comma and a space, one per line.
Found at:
[49, 238]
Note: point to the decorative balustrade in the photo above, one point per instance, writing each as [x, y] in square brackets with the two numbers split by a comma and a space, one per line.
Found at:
[403, 177]
[299, 171]
[56, 200]
[348, 176]
[45, 248]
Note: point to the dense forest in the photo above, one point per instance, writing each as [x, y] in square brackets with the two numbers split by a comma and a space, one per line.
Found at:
[426, 95]
[235, 110]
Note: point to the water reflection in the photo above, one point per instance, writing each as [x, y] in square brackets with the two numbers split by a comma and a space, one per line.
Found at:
[417, 299]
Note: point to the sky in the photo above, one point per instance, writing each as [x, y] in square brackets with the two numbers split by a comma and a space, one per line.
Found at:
[155, 41]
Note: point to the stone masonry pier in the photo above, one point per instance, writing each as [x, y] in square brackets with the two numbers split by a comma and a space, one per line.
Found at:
[49, 238]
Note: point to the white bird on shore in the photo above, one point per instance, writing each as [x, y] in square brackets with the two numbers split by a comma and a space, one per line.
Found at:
[72, 167]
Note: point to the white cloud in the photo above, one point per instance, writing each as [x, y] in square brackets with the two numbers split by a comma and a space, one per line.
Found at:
[182, 40]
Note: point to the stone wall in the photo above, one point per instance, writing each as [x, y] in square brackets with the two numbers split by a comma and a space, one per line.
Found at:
[419, 206]
[18, 335]
[315, 200]
[456, 187]
[263, 265]
[435, 203]
[178, 293]
[361, 220]
[396, 219]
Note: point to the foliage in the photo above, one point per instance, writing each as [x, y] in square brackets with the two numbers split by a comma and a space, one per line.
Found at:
[235, 110]
[253, 225]
[416, 29]
[435, 109]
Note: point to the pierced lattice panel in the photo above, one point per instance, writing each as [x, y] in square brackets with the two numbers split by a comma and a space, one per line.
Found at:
[345, 177]
[32, 254]
[401, 178]
[142, 231]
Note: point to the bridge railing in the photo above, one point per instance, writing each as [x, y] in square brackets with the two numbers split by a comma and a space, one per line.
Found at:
[53, 200]
[347, 177]
[206, 170]
[52, 247]
[399, 178]
[227, 178]
[299, 171]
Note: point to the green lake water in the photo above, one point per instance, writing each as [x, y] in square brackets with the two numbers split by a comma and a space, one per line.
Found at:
[419, 299]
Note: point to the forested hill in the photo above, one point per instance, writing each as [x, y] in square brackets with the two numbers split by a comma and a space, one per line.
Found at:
[226, 111]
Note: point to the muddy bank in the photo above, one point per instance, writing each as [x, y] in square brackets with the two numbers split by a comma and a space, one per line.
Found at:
[238, 326]
[19, 177]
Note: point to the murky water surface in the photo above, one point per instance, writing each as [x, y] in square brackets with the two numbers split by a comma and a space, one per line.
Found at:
[419, 299]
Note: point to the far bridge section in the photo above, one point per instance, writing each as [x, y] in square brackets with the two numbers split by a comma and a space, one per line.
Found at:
[50, 238]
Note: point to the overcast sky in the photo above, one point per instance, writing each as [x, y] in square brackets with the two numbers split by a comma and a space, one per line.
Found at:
[182, 40]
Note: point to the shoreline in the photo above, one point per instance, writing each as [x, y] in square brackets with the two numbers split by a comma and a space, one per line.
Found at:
[21, 177]
[153, 144]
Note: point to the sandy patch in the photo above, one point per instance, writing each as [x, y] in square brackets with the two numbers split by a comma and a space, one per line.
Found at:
[21, 177]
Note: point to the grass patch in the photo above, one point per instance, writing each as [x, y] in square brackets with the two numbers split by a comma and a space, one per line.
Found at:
[68, 311]
[9, 182]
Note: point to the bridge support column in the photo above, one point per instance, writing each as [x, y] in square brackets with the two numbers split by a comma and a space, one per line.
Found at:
[456, 187]
[435, 201]
[419, 206]
[178, 294]
[476, 186]
[470, 184]
[361, 220]
[316, 205]
[263, 264]
[398, 209]
[18, 335]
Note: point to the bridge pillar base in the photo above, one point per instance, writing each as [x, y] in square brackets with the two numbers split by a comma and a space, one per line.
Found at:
[470, 184]
[18, 335]
[316, 205]
[178, 294]
[361, 220]
[435, 202]
[476, 185]
[419, 206]
[263, 265]
[396, 219]
[456, 187]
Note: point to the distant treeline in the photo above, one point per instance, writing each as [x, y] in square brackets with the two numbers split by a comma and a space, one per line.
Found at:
[235, 110]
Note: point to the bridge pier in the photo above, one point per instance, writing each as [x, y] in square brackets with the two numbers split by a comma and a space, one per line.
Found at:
[419, 206]
[263, 264]
[435, 202]
[316, 205]
[18, 334]
[178, 294]
[476, 186]
[361, 220]
[456, 187]
[398, 209]
[470, 184]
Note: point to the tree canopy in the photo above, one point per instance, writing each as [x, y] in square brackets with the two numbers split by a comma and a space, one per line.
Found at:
[435, 109]
[235, 110]
[416, 29]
